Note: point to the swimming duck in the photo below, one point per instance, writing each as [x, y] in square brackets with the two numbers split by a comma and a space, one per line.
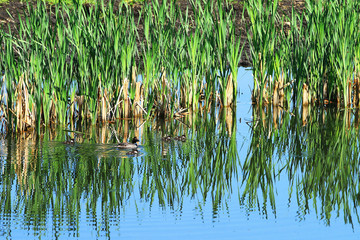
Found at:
[71, 141]
[180, 138]
[132, 145]
[133, 152]
[166, 138]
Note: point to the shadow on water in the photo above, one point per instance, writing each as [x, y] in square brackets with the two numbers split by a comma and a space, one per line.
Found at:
[45, 182]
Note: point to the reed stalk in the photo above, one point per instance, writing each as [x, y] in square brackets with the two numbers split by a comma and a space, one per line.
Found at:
[77, 66]
[321, 52]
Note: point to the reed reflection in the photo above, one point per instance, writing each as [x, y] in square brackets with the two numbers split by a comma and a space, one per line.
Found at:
[48, 180]
[320, 157]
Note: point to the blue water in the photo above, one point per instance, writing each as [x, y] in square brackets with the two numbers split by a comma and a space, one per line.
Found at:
[190, 217]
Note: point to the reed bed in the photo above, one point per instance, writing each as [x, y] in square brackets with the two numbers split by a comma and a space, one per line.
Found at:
[310, 58]
[88, 64]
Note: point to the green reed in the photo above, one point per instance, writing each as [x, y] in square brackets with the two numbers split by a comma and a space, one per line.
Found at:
[263, 20]
[85, 61]
[84, 64]
[321, 52]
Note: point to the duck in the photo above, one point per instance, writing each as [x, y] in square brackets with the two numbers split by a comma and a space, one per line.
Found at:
[71, 141]
[133, 152]
[180, 138]
[167, 138]
[132, 145]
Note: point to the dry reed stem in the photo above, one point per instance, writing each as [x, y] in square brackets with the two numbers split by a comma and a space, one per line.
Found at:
[281, 111]
[305, 114]
[325, 90]
[126, 102]
[275, 101]
[229, 91]
[22, 111]
[348, 118]
[164, 86]
[229, 120]
[103, 133]
[27, 112]
[137, 122]
[281, 88]
[181, 112]
[133, 75]
[101, 103]
[103, 106]
[305, 95]
[275, 116]
[263, 115]
[281, 85]
[72, 109]
[18, 108]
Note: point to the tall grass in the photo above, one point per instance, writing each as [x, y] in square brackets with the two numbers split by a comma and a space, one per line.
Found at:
[321, 43]
[84, 64]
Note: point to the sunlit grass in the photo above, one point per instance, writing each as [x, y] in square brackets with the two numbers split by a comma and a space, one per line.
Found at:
[312, 63]
[86, 67]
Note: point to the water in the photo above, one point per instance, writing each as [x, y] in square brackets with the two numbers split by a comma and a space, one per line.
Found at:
[235, 178]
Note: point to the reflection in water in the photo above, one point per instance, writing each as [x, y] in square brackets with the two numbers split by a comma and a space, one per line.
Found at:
[45, 182]
[318, 150]
[42, 175]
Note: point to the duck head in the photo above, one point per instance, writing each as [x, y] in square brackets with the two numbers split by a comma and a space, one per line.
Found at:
[135, 140]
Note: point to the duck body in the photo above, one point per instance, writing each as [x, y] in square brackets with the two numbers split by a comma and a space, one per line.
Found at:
[133, 152]
[71, 141]
[180, 138]
[132, 145]
[166, 138]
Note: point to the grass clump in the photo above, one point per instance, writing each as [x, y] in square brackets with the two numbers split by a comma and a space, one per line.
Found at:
[308, 58]
[89, 64]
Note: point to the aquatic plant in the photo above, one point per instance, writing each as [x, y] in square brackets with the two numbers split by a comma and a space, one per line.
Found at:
[308, 57]
[89, 64]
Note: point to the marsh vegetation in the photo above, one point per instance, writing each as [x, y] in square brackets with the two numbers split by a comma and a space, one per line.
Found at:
[89, 66]
[310, 58]
[84, 76]
[88, 63]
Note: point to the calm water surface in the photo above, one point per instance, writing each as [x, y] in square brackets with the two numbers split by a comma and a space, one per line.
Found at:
[252, 174]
